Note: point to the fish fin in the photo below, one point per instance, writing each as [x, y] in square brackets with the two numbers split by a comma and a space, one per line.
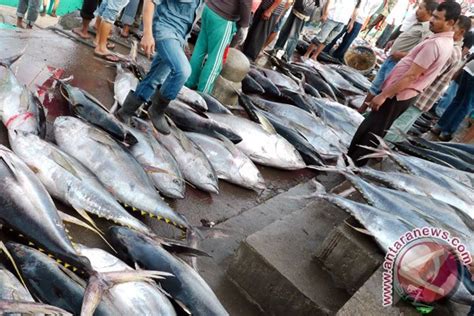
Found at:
[7, 253]
[25, 307]
[99, 283]
[11, 167]
[101, 137]
[73, 276]
[182, 249]
[63, 162]
[265, 123]
[227, 143]
[114, 107]
[359, 229]
[184, 140]
[73, 220]
[152, 169]
[377, 152]
[182, 306]
[7, 62]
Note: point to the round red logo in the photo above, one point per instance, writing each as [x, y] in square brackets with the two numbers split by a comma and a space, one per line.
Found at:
[426, 271]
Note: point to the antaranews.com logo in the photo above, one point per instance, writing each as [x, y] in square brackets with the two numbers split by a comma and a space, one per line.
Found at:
[423, 266]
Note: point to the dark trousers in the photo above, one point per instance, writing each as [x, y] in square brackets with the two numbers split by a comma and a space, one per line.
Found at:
[378, 123]
[384, 37]
[258, 34]
[346, 41]
[289, 35]
[460, 107]
[88, 9]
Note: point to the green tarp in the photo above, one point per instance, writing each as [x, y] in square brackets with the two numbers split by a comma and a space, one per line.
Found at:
[65, 6]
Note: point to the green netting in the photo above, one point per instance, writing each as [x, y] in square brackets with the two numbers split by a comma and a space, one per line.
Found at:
[65, 6]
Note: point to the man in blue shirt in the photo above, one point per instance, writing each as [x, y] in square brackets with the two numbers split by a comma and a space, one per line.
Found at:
[167, 24]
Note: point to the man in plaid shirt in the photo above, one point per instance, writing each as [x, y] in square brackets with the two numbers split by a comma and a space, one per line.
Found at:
[433, 92]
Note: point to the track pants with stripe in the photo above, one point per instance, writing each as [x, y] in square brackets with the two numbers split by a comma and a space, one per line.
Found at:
[216, 34]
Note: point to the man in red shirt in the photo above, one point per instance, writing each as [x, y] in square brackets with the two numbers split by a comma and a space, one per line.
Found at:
[407, 80]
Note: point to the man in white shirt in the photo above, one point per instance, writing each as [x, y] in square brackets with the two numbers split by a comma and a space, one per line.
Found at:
[394, 19]
[336, 14]
[366, 9]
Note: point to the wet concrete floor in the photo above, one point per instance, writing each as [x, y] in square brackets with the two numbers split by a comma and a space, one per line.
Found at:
[45, 48]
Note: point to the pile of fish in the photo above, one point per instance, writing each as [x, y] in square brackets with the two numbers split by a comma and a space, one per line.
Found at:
[100, 168]
[419, 193]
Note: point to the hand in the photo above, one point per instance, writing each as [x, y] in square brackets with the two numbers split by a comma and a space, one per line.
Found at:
[148, 44]
[377, 102]
[267, 14]
[388, 46]
[350, 26]
[397, 55]
[324, 17]
[239, 37]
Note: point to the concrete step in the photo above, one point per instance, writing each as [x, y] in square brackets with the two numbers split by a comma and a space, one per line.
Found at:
[275, 265]
[368, 301]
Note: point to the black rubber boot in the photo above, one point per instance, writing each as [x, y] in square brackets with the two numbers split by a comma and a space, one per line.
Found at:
[129, 107]
[156, 112]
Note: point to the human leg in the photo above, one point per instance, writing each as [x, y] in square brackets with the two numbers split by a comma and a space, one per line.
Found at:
[447, 98]
[347, 41]
[333, 30]
[87, 14]
[219, 36]
[200, 50]
[108, 11]
[128, 16]
[20, 12]
[293, 37]
[376, 123]
[33, 12]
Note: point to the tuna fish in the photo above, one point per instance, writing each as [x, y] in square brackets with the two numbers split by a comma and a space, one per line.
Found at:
[69, 181]
[187, 286]
[214, 105]
[19, 109]
[229, 162]
[115, 167]
[353, 76]
[250, 86]
[192, 162]
[90, 109]
[188, 120]
[279, 79]
[262, 145]
[192, 98]
[125, 81]
[157, 161]
[269, 87]
[131, 298]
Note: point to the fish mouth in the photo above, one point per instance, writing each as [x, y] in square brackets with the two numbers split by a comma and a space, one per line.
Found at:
[175, 194]
[211, 187]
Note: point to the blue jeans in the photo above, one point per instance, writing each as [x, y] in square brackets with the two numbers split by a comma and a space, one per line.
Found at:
[460, 107]
[383, 73]
[346, 41]
[170, 68]
[447, 98]
[128, 16]
[33, 8]
[110, 9]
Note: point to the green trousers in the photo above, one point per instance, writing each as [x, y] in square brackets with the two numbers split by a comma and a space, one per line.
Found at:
[216, 34]
[403, 123]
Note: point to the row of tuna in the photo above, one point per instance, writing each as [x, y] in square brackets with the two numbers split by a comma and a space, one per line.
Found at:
[417, 192]
[93, 173]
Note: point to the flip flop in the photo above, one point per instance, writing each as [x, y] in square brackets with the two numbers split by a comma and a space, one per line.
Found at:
[79, 34]
[108, 57]
[110, 45]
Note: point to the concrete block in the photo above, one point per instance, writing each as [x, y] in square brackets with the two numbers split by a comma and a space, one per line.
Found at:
[236, 67]
[274, 266]
[349, 256]
[225, 91]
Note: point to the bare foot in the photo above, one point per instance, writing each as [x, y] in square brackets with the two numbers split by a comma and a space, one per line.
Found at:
[109, 45]
[29, 26]
[106, 55]
[125, 32]
[79, 31]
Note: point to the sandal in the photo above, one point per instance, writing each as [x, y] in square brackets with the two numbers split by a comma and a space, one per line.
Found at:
[108, 57]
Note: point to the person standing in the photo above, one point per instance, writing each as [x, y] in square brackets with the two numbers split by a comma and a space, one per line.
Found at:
[264, 21]
[128, 17]
[408, 79]
[289, 35]
[366, 9]
[432, 93]
[461, 106]
[401, 46]
[336, 14]
[106, 15]
[219, 22]
[394, 19]
[166, 25]
[33, 8]
[87, 14]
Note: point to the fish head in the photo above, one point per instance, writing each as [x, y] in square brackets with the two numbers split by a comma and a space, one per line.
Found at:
[125, 241]
[25, 256]
[177, 188]
[64, 125]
